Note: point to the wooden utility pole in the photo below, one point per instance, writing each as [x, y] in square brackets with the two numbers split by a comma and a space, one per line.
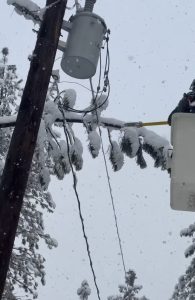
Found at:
[20, 154]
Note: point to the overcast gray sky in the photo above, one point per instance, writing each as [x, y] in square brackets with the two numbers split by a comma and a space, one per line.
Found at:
[152, 63]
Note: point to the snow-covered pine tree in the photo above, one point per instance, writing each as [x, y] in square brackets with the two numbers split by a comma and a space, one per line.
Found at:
[129, 290]
[27, 264]
[84, 291]
[185, 288]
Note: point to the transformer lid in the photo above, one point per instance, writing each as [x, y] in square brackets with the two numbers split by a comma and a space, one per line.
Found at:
[88, 14]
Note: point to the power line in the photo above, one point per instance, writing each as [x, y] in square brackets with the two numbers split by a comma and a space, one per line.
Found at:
[79, 204]
[87, 110]
[107, 172]
[112, 201]
[99, 92]
[74, 82]
[106, 83]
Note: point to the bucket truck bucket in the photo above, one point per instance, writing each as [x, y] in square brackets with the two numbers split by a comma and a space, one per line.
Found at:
[183, 162]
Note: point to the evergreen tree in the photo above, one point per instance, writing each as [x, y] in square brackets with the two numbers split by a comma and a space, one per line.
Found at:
[129, 290]
[27, 264]
[185, 288]
[84, 291]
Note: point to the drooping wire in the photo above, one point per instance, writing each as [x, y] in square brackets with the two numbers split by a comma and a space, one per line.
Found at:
[99, 92]
[106, 83]
[53, 136]
[77, 83]
[84, 111]
[113, 203]
[110, 189]
[79, 203]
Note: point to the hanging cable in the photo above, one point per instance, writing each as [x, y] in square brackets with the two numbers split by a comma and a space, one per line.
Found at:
[109, 184]
[53, 136]
[93, 108]
[94, 100]
[106, 87]
[74, 82]
[113, 203]
[84, 111]
[79, 203]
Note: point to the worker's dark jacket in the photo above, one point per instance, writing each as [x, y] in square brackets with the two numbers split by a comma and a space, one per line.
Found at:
[184, 105]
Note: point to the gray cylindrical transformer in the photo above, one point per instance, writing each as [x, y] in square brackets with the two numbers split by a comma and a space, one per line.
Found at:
[83, 45]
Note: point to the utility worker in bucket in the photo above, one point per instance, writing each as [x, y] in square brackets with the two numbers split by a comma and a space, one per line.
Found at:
[186, 104]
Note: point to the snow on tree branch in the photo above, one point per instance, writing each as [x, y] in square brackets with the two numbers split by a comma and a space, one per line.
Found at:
[27, 264]
[185, 288]
[131, 145]
[7, 121]
[29, 9]
[156, 146]
[84, 291]
[129, 290]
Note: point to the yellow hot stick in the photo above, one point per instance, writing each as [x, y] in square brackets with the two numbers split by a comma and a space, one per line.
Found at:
[155, 123]
[141, 124]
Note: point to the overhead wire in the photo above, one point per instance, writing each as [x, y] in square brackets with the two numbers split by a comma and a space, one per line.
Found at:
[106, 82]
[111, 196]
[75, 181]
[74, 82]
[94, 108]
[83, 111]
[98, 92]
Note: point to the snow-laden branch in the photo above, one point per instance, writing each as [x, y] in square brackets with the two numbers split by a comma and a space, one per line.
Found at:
[9, 121]
[29, 9]
[132, 141]
[153, 144]
[149, 136]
